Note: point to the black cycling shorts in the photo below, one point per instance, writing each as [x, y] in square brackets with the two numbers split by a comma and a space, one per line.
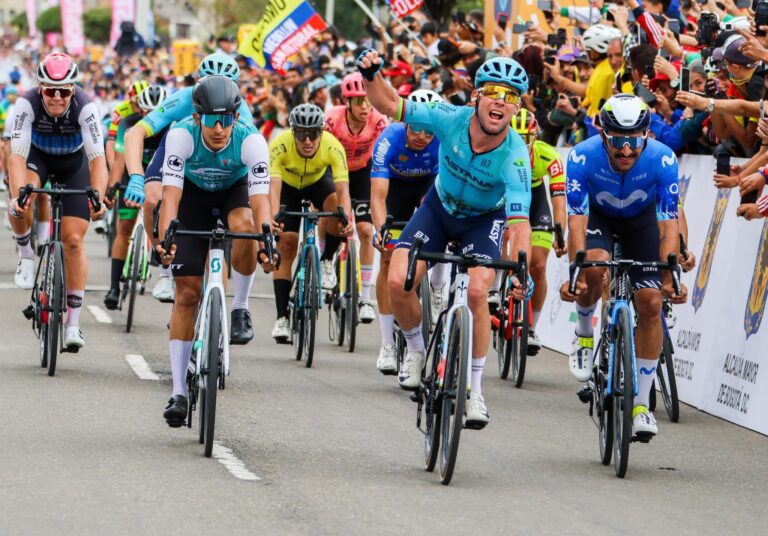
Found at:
[196, 213]
[404, 197]
[154, 171]
[360, 193]
[291, 197]
[69, 170]
[638, 240]
[540, 213]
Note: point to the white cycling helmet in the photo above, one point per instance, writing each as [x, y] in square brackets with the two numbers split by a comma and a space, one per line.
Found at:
[424, 95]
[599, 37]
[151, 97]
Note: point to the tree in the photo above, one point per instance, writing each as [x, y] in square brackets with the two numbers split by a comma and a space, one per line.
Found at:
[21, 24]
[97, 23]
[50, 20]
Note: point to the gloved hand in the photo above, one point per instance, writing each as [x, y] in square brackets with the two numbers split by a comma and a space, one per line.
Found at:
[369, 63]
[134, 192]
[529, 288]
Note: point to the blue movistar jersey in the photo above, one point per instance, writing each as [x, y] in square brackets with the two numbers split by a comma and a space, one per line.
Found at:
[469, 183]
[592, 182]
[188, 158]
[177, 107]
[392, 159]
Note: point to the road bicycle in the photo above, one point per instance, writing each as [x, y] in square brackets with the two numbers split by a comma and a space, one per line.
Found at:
[209, 360]
[344, 298]
[665, 370]
[611, 390]
[48, 300]
[445, 388]
[510, 326]
[305, 298]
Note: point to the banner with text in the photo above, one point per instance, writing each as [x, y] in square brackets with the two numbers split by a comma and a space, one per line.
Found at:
[122, 10]
[286, 27]
[31, 9]
[72, 26]
[402, 8]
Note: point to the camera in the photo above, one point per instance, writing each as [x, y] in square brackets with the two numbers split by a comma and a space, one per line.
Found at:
[550, 56]
[557, 40]
[761, 18]
[709, 25]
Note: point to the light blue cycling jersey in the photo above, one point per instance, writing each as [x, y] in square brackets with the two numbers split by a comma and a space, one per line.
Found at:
[177, 107]
[188, 158]
[469, 183]
[392, 159]
[591, 181]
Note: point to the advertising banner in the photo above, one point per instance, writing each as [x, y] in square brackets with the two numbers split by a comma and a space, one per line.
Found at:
[31, 9]
[401, 8]
[72, 26]
[122, 10]
[184, 56]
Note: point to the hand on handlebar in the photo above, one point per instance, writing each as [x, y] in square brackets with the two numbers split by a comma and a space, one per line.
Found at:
[269, 265]
[518, 292]
[349, 228]
[97, 214]
[688, 263]
[378, 241]
[565, 291]
[667, 289]
[277, 227]
[166, 257]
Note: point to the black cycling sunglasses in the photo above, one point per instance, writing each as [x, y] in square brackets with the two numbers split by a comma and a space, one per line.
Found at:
[302, 135]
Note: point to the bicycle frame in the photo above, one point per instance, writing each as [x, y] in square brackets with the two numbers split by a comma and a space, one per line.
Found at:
[129, 257]
[458, 299]
[308, 247]
[212, 279]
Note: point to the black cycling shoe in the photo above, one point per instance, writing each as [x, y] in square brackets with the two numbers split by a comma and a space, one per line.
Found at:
[242, 330]
[112, 299]
[176, 411]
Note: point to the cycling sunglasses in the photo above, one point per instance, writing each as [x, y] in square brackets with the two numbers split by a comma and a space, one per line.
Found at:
[618, 142]
[63, 92]
[424, 130]
[509, 95]
[303, 135]
[210, 120]
[359, 101]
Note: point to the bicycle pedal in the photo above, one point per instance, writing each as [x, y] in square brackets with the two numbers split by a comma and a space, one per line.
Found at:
[585, 394]
[474, 425]
[28, 312]
[642, 438]
[416, 397]
[72, 349]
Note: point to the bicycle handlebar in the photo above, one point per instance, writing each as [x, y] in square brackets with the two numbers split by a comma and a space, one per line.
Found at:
[55, 191]
[387, 227]
[579, 263]
[683, 248]
[338, 213]
[559, 239]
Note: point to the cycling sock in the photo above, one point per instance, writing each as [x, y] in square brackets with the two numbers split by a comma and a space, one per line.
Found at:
[242, 284]
[165, 271]
[584, 326]
[180, 352]
[439, 275]
[646, 372]
[43, 231]
[117, 273]
[478, 364]
[321, 245]
[282, 294]
[74, 306]
[414, 339]
[331, 245]
[535, 319]
[25, 246]
[496, 285]
[387, 327]
[366, 278]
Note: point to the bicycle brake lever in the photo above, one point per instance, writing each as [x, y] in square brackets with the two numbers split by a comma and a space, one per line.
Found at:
[575, 270]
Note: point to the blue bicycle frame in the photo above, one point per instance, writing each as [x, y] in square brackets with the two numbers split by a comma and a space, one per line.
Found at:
[309, 228]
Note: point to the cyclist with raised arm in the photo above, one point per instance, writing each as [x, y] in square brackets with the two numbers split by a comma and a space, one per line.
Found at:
[356, 125]
[145, 188]
[149, 99]
[56, 131]
[299, 159]
[405, 164]
[213, 161]
[623, 184]
[484, 179]
[123, 109]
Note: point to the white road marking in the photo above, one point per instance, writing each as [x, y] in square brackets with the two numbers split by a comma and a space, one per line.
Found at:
[100, 314]
[232, 463]
[140, 367]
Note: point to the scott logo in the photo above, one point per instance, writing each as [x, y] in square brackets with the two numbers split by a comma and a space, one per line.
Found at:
[215, 265]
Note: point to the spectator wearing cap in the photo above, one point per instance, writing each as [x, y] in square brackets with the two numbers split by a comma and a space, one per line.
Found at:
[399, 73]
[318, 92]
[567, 56]
[225, 44]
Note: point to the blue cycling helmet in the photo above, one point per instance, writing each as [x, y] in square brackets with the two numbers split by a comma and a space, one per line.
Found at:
[502, 71]
[220, 65]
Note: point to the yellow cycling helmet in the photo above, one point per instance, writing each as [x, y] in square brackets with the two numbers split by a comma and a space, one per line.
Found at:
[136, 89]
[525, 124]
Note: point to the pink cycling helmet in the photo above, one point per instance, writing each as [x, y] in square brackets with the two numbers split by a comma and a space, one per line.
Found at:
[57, 69]
[352, 86]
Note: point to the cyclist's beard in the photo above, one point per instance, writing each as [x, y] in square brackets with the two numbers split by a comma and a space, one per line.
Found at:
[485, 130]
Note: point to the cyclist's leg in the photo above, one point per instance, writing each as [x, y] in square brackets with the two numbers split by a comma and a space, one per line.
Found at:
[287, 246]
[43, 219]
[37, 175]
[541, 241]
[360, 192]
[328, 231]
[126, 218]
[153, 192]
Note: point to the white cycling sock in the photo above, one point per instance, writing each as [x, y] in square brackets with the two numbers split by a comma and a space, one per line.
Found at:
[165, 271]
[584, 326]
[74, 306]
[496, 285]
[366, 278]
[387, 327]
[478, 364]
[180, 352]
[25, 245]
[440, 273]
[414, 339]
[43, 231]
[242, 284]
[646, 372]
[535, 319]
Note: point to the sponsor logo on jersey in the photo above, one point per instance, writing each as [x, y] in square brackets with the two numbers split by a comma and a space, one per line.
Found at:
[755, 306]
[607, 198]
[555, 168]
[260, 170]
[710, 244]
[496, 231]
[175, 163]
[668, 160]
[577, 158]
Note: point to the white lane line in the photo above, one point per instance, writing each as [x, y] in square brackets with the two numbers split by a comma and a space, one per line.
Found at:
[232, 463]
[140, 367]
[100, 314]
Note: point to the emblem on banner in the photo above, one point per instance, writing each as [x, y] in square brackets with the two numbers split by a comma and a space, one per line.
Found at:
[753, 312]
[710, 244]
[684, 182]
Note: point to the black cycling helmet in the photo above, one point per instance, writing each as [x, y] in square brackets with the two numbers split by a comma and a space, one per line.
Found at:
[307, 116]
[216, 95]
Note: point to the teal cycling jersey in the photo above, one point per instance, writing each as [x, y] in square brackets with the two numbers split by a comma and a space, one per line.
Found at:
[188, 158]
[470, 183]
[178, 107]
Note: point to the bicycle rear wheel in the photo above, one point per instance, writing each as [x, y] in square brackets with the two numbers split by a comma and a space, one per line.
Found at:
[431, 414]
[134, 273]
[623, 396]
[603, 407]
[665, 374]
[454, 392]
[310, 307]
[297, 318]
[350, 296]
[426, 308]
[519, 342]
[212, 350]
[500, 341]
[54, 285]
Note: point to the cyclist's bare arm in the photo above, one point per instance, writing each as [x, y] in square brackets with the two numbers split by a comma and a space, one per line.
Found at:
[380, 93]
[134, 147]
[110, 148]
[275, 188]
[116, 171]
[520, 239]
[379, 190]
[169, 209]
[577, 234]
[342, 195]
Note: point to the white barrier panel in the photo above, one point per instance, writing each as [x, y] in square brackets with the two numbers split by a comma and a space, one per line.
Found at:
[720, 331]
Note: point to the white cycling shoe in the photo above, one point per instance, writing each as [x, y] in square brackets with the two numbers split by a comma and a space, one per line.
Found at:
[25, 274]
[165, 289]
[410, 372]
[73, 338]
[644, 425]
[328, 275]
[581, 359]
[100, 226]
[476, 412]
[387, 362]
[282, 331]
[534, 344]
[436, 302]
[366, 313]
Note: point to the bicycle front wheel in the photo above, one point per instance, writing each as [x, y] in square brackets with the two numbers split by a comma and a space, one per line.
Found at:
[134, 274]
[665, 373]
[310, 307]
[211, 365]
[454, 392]
[297, 318]
[426, 308]
[54, 292]
[350, 297]
[623, 396]
[500, 341]
[519, 342]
